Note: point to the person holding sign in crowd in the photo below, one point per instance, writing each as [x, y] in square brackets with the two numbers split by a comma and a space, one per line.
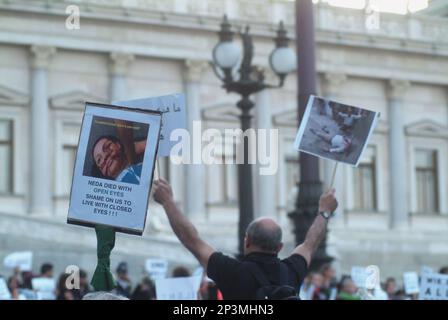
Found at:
[260, 274]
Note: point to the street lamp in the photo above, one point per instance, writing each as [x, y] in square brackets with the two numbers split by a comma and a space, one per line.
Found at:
[238, 75]
[310, 186]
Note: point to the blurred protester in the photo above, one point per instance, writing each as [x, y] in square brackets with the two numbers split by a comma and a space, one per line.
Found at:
[14, 287]
[209, 290]
[246, 278]
[101, 295]
[329, 285]
[145, 290]
[46, 270]
[14, 283]
[347, 289]
[124, 285]
[84, 286]
[62, 292]
[181, 272]
[17, 275]
[317, 281]
[391, 289]
[27, 276]
[444, 270]
[401, 295]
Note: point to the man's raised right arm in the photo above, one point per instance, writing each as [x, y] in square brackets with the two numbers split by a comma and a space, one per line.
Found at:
[316, 232]
[182, 227]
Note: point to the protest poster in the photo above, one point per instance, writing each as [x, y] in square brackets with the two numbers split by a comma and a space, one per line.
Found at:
[185, 288]
[410, 282]
[114, 167]
[20, 259]
[4, 291]
[433, 286]
[335, 131]
[156, 268]
[359, 276]
[45, 288]
[333, 294]
[173, 112]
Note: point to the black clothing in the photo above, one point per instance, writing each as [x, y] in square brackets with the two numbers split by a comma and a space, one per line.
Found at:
[236, 280]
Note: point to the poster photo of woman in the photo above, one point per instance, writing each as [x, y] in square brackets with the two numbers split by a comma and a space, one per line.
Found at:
[116, 149]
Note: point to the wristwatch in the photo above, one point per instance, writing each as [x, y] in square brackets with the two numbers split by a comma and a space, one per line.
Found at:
[327, 215]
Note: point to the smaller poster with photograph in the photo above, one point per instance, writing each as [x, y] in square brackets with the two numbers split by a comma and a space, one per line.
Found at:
[114, 167]
[335, 131]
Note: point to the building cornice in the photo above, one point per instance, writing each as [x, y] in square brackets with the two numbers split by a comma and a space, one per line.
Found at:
[74, 100]
[419, 34]
[427, 128]
[11, 97]
[160, 30]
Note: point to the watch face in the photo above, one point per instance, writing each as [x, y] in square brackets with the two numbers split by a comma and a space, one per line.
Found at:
[326, 215]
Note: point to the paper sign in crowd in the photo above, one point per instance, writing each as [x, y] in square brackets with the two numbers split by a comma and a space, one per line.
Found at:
[178, 288]
[117, 150]
[433, 286]
[114, 167]
[172, 108]
[429, 286]
[21, 259]
[156, 268]
[410, 283]
[335, 131]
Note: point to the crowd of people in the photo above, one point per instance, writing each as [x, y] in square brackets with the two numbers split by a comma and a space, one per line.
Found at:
[323, 285]
[258, 274]
[20, 284]
[21, 288]
[319, 285]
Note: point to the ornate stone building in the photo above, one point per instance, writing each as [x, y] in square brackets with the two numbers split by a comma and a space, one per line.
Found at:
[394, 207]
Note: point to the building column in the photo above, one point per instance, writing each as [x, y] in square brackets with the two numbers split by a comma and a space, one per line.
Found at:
[195, 175]
[119, 65]
[397, 153]
[332, 88]
[40, 193]
[265, 185]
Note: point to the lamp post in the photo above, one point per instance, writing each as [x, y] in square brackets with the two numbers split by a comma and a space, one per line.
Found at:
[310, 186]
[238, 75]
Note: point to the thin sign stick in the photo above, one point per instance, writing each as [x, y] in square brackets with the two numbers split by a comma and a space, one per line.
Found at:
[158, 168]
[334, 175]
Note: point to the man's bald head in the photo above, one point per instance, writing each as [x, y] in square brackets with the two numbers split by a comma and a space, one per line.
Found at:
[265, 234]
